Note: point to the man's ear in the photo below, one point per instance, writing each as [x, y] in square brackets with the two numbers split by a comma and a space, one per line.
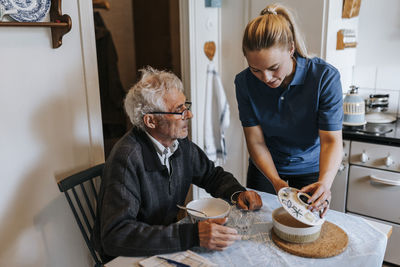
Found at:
[150, 121]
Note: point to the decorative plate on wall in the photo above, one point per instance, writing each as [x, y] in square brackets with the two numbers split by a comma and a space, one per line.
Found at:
[27, 10]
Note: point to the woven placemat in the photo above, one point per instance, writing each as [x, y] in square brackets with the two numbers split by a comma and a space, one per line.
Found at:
[332, 241]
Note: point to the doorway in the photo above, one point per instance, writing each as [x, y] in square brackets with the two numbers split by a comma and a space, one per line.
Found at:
[131, 34]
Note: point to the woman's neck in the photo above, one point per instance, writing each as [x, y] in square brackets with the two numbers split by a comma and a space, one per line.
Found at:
[289, 77]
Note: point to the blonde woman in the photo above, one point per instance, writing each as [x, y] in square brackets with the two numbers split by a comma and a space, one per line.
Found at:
[290, 107]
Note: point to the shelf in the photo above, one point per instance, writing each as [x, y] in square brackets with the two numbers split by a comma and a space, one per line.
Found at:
[35, 24]
[345, 39]
[351, 8]
[59, 24]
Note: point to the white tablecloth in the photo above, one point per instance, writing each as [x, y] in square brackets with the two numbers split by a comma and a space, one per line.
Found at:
[366, 244]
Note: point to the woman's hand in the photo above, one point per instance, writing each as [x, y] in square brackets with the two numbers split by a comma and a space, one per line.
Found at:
[278, 184]
[320, 197]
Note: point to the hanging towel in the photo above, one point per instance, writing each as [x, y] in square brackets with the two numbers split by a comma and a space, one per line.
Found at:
[216, 119]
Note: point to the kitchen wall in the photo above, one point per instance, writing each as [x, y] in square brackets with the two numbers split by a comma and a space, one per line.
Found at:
[234, 17]
[50, 127]
[378, 55]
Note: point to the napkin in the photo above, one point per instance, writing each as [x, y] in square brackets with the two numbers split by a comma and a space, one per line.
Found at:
[187, 257]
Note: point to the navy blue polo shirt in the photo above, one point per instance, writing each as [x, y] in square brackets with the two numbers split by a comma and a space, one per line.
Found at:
[291, 117]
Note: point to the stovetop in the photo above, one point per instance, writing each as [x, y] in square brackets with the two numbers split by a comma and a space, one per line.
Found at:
[381, 133]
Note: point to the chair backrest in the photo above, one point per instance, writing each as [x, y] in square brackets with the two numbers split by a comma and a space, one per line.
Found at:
[82, 196]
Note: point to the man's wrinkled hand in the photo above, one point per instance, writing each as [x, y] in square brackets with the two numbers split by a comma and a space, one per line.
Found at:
[249, 200]
[213, 235]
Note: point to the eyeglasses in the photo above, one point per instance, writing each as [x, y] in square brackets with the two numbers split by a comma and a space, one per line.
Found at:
[184, 114]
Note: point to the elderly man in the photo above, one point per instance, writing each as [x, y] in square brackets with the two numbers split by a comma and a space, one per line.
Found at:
[149, 172]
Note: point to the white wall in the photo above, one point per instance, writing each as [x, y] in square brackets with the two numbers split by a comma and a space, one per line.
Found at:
[379, 33]
[234, 18]
[378, 55]
[50, 127]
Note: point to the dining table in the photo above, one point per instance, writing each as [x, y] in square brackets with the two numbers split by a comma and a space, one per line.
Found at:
[366, 241]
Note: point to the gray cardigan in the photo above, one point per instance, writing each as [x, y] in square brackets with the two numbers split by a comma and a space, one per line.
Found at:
[137, 211]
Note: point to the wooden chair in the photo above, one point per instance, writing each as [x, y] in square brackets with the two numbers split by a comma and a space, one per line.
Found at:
[82, 196]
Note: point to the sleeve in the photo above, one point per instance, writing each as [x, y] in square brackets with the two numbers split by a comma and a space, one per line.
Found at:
[330, 112]
[122, 234]
[215, 180]
[246, 112]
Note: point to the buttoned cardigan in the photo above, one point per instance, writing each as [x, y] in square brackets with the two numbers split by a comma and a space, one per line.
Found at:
[137, 212]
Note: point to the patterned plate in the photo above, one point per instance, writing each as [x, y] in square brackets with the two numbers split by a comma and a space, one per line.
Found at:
[27, 10]
[291, 200]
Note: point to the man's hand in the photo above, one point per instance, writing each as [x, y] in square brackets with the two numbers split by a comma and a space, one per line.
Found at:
[249, 200]
[320, 197]
[213, 235]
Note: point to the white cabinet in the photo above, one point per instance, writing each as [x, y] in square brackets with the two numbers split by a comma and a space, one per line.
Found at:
[370, 188]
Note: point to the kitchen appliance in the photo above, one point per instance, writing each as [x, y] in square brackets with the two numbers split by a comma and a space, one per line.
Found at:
[353, 108]
[387, 130]
[368, 181]
[376, 106]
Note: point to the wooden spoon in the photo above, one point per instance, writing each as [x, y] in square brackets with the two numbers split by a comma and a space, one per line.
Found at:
[209, 50]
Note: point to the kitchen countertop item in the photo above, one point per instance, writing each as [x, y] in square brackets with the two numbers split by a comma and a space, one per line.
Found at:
[332, 241]
[291, 230]
[380, 117]
[295, 203]
[377, 103]
[383, 133]
[213, 207]
[353, 108]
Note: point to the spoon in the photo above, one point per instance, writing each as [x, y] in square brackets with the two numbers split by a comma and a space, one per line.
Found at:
[184, 208]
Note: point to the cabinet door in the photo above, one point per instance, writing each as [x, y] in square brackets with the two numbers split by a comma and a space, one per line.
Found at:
[367, 195]
[339, 186]
[339, 189]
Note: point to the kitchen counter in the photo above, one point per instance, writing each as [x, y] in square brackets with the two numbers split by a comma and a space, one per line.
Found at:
[360, 133]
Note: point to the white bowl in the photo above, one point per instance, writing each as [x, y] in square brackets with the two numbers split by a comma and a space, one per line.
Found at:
[292, 230]
[213, 207]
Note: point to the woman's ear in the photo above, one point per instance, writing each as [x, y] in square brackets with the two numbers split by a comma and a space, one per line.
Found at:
[291, 50]
[149, 120]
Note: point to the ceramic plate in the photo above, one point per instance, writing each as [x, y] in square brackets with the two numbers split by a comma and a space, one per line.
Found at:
[27, 10]
[291, 201]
